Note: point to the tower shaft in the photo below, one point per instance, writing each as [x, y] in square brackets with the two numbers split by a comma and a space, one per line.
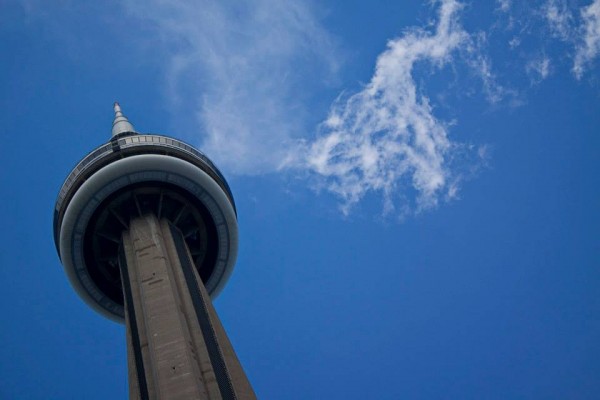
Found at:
[177, 347]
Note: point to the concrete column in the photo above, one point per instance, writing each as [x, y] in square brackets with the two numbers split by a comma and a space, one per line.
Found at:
[177, 347]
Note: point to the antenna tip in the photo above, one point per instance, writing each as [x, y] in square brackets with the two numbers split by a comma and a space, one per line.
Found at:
[121, 124]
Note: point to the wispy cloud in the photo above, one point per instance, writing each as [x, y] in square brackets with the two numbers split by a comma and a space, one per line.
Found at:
[236, 65]
[235, 62]
[559, 18]
[538, 68]
[504, 5]
[588, 46]
[474, 54]
[386, 136]
[582, 31]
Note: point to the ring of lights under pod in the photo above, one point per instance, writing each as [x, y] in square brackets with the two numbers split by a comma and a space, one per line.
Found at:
[128, 177]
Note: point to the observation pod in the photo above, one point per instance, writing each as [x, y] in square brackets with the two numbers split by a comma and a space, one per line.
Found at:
[130, 176]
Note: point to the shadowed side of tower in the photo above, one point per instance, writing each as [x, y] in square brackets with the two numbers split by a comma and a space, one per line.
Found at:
[146, 229]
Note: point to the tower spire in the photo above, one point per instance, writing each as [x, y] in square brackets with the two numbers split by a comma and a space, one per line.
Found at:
[121, 124]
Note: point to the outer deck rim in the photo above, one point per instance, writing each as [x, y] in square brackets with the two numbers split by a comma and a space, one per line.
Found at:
[127, 146]
[133, 170]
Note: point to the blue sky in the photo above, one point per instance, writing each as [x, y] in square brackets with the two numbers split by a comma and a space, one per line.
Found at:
[417, 188]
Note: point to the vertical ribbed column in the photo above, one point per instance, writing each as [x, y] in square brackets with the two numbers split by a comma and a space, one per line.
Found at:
[177, 348]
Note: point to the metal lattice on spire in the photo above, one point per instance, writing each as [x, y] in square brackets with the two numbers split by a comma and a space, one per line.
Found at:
[121, 124]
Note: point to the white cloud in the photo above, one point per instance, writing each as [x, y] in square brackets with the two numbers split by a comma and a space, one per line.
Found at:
[538, 68]
[236, 63]
[386, 135]
[559, 18]
[481, 64]
[589, 46]
[583, 33]
[514, 42]
[504, 5]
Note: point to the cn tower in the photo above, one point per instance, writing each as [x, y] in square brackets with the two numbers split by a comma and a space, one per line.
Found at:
[146, 229]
